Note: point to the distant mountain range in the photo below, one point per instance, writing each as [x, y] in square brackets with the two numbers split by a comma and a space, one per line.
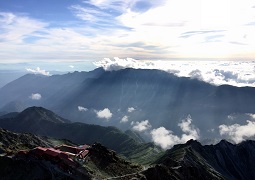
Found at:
[157, 96]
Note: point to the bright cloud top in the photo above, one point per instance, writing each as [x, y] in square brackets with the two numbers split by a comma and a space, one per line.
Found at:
[82, 109]
[237, 132]
[38, 71]
[104, 114]
[141, 126]
[131, 28]
[166, 139]
[236, 73]
[35, 96]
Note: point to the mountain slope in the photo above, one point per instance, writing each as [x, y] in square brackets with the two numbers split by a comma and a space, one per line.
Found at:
[11, 141]
[50, 87]
[41, 121]
[221, 161]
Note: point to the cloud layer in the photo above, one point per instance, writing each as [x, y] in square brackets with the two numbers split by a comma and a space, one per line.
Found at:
[166, 139]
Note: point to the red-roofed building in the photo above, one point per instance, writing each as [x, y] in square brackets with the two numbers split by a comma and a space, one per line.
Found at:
[83, 154]
[65, 156]
[72, 149]
[38, 151]
[52, 152]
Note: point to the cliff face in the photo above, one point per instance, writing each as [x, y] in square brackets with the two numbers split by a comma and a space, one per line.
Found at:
[194, 161]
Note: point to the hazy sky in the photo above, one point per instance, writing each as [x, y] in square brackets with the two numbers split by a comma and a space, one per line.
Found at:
[89, 30]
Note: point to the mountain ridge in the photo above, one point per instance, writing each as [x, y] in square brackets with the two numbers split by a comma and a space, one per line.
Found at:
[157, 96]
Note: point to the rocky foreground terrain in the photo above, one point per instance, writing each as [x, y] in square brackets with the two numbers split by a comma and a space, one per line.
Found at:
[184, 161]
[100, 163]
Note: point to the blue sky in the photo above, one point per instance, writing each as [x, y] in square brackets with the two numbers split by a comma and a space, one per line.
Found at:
[90, 30]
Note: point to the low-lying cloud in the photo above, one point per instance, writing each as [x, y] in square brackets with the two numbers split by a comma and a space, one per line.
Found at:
[237, 132]
[166, 139]
[82, 109]
[124, 119]
[104, 114]
[38, 71]
[35, 96]
[131, 109]
[141, 126]
[236, 73]
[118, 63]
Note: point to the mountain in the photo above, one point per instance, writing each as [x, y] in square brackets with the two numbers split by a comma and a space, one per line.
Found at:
[136, 136]
[56, 86]
[106, 163]
[11, 141]
[16, 156]
[160, 97]
[184, 161]
[7, 76]
[221, 161]
[40, 121]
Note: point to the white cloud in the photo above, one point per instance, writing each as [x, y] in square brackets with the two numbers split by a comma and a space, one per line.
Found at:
[35, 96]
[90, 14]
[71, 66]
[116, 63]
[166, 139]
[17, 28]
[38, 71]
[82, 109]
[195, 17]
[191, 132]
[141, 126]
[131, 109]
[134, 28]
[124, 119]
[237, 132]
[104, 114]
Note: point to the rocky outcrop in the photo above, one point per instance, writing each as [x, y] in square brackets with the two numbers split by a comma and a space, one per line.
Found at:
[108, 161]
